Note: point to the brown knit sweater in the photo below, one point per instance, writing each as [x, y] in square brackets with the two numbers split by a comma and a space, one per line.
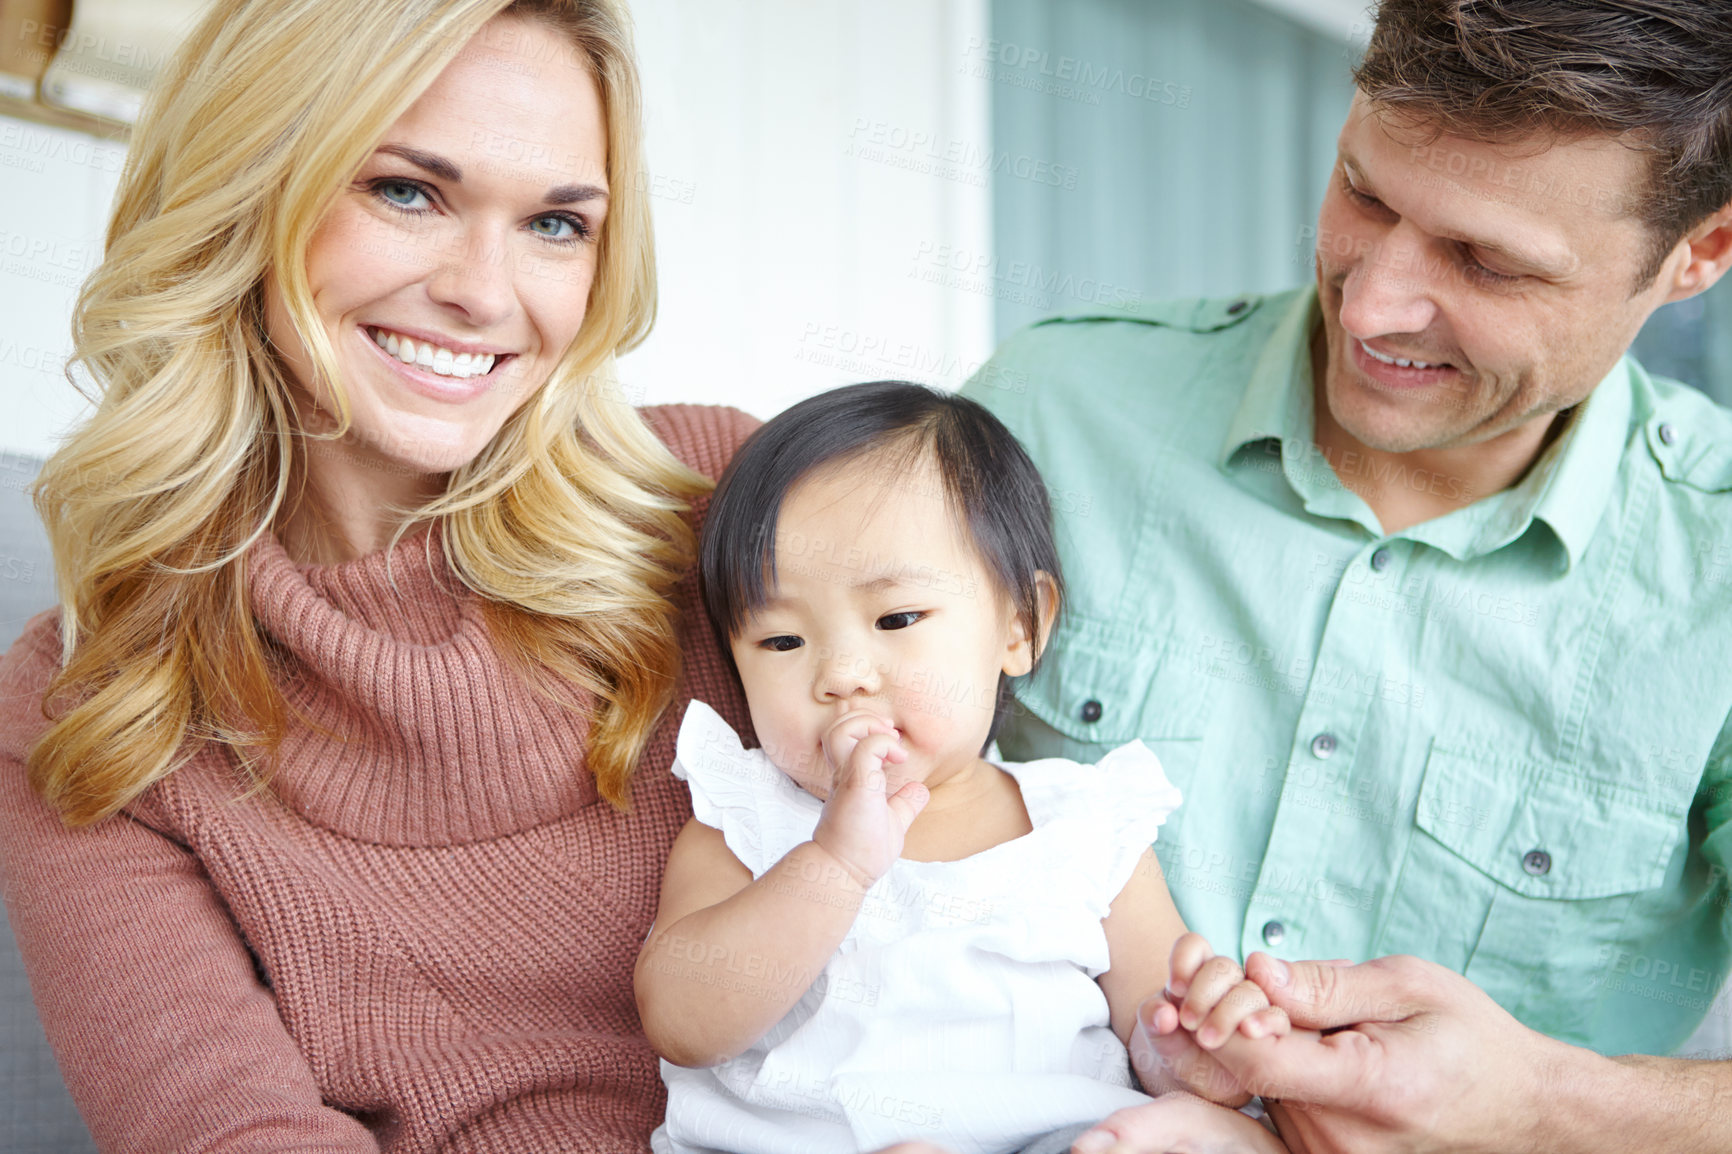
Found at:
[420, 939]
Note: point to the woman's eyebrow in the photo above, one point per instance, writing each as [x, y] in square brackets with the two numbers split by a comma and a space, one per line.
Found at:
[574, 193]
[437, 165]
[445, 170]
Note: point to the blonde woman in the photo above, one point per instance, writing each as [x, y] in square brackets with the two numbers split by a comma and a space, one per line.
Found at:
[333, 797]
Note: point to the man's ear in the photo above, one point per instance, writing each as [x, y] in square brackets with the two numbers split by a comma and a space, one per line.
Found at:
[1020, 656]
[1708, 256]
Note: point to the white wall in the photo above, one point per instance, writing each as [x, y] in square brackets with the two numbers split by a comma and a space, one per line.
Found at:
[809, 159]
[813, 159]
[55, 188]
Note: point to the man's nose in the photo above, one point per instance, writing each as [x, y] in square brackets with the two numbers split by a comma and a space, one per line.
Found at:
[1391, 288]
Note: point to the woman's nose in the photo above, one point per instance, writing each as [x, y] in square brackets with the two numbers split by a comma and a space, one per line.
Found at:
[475, 277]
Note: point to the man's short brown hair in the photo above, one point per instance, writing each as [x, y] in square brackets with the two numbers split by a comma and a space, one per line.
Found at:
[1655, 73]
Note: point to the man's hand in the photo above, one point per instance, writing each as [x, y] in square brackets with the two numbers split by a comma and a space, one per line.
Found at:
[1172, 1124]
[1177, 1123]
[1414, 1057]
[867, 815]
[1208, 1000]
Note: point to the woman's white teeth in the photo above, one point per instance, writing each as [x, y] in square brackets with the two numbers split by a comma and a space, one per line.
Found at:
[1401, 361]
[428, 356]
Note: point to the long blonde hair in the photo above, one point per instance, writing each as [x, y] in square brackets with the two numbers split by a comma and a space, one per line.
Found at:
[568, 523]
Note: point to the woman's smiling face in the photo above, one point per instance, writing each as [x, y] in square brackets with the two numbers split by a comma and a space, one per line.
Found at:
[451, 275]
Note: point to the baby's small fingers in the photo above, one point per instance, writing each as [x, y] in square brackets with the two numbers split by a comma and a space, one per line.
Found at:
[1189, 953]
[849, 730]
[1269, 1022]
[864, 765]
[1211, 983]
[907, 802]
[1238, 1003]
[1162, 1019]
[877, 749]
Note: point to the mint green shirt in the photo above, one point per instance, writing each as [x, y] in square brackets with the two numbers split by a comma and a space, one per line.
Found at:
[1498, 739]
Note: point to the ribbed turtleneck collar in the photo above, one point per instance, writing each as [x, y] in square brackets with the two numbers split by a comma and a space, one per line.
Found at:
[406, 726]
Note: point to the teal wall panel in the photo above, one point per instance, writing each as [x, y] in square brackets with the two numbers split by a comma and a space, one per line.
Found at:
[1191, 141]
[1199, 171]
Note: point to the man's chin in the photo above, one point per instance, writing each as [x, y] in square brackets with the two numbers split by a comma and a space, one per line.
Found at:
[1385, 427]
[1395, 441]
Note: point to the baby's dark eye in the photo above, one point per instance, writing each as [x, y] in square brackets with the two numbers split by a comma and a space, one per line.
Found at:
[899, 620]
[781, 643]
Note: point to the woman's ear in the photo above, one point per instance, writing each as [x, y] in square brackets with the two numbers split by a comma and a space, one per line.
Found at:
[1019, 658]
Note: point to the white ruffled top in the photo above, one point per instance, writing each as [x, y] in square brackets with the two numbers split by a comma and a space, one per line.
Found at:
[961, 1008]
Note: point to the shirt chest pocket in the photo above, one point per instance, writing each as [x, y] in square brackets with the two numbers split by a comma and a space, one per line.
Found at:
[1549, 862]
[1098, 689]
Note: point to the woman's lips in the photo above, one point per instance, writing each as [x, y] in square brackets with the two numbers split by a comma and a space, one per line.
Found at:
[434, 385]
[437, 357]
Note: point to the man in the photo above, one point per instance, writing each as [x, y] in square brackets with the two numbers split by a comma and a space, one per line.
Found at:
[1420, 588]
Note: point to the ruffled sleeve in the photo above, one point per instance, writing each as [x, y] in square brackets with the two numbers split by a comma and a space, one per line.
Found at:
[761, 813]
[1138, 799]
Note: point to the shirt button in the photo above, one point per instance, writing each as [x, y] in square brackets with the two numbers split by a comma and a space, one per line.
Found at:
[1237, 307]
[1380, 560]
[1537, 862]
[1322, 745]
[1667, 434]
[1091, 711]
[1274, 933]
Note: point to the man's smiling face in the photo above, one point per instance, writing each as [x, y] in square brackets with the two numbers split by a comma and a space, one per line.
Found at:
[1505, 274]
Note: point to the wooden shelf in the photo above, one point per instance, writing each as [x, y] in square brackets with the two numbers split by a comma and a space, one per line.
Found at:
[35, 110]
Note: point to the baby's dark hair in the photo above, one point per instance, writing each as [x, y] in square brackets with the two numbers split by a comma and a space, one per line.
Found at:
[992, 487]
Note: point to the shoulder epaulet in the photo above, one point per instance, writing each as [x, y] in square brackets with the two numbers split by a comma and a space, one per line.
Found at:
[1194, 314]
[1689, 436]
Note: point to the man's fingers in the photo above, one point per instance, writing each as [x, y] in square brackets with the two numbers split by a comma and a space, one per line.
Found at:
[1327, 995]
[1324, 1069]
[1170, 1059]
[1160, 1125]
[1175, 1121]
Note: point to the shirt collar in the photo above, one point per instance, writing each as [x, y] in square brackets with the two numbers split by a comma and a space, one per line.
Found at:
[1277, 401]
[1567, 489]
[1575, 485]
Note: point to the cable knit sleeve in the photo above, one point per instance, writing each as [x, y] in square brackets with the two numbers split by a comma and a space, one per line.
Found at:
[703, 436]
[166, 1037]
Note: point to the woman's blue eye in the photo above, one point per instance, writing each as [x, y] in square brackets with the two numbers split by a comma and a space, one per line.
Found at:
[899, 620]
[781, 644]
[400, 193]
[551, 227]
